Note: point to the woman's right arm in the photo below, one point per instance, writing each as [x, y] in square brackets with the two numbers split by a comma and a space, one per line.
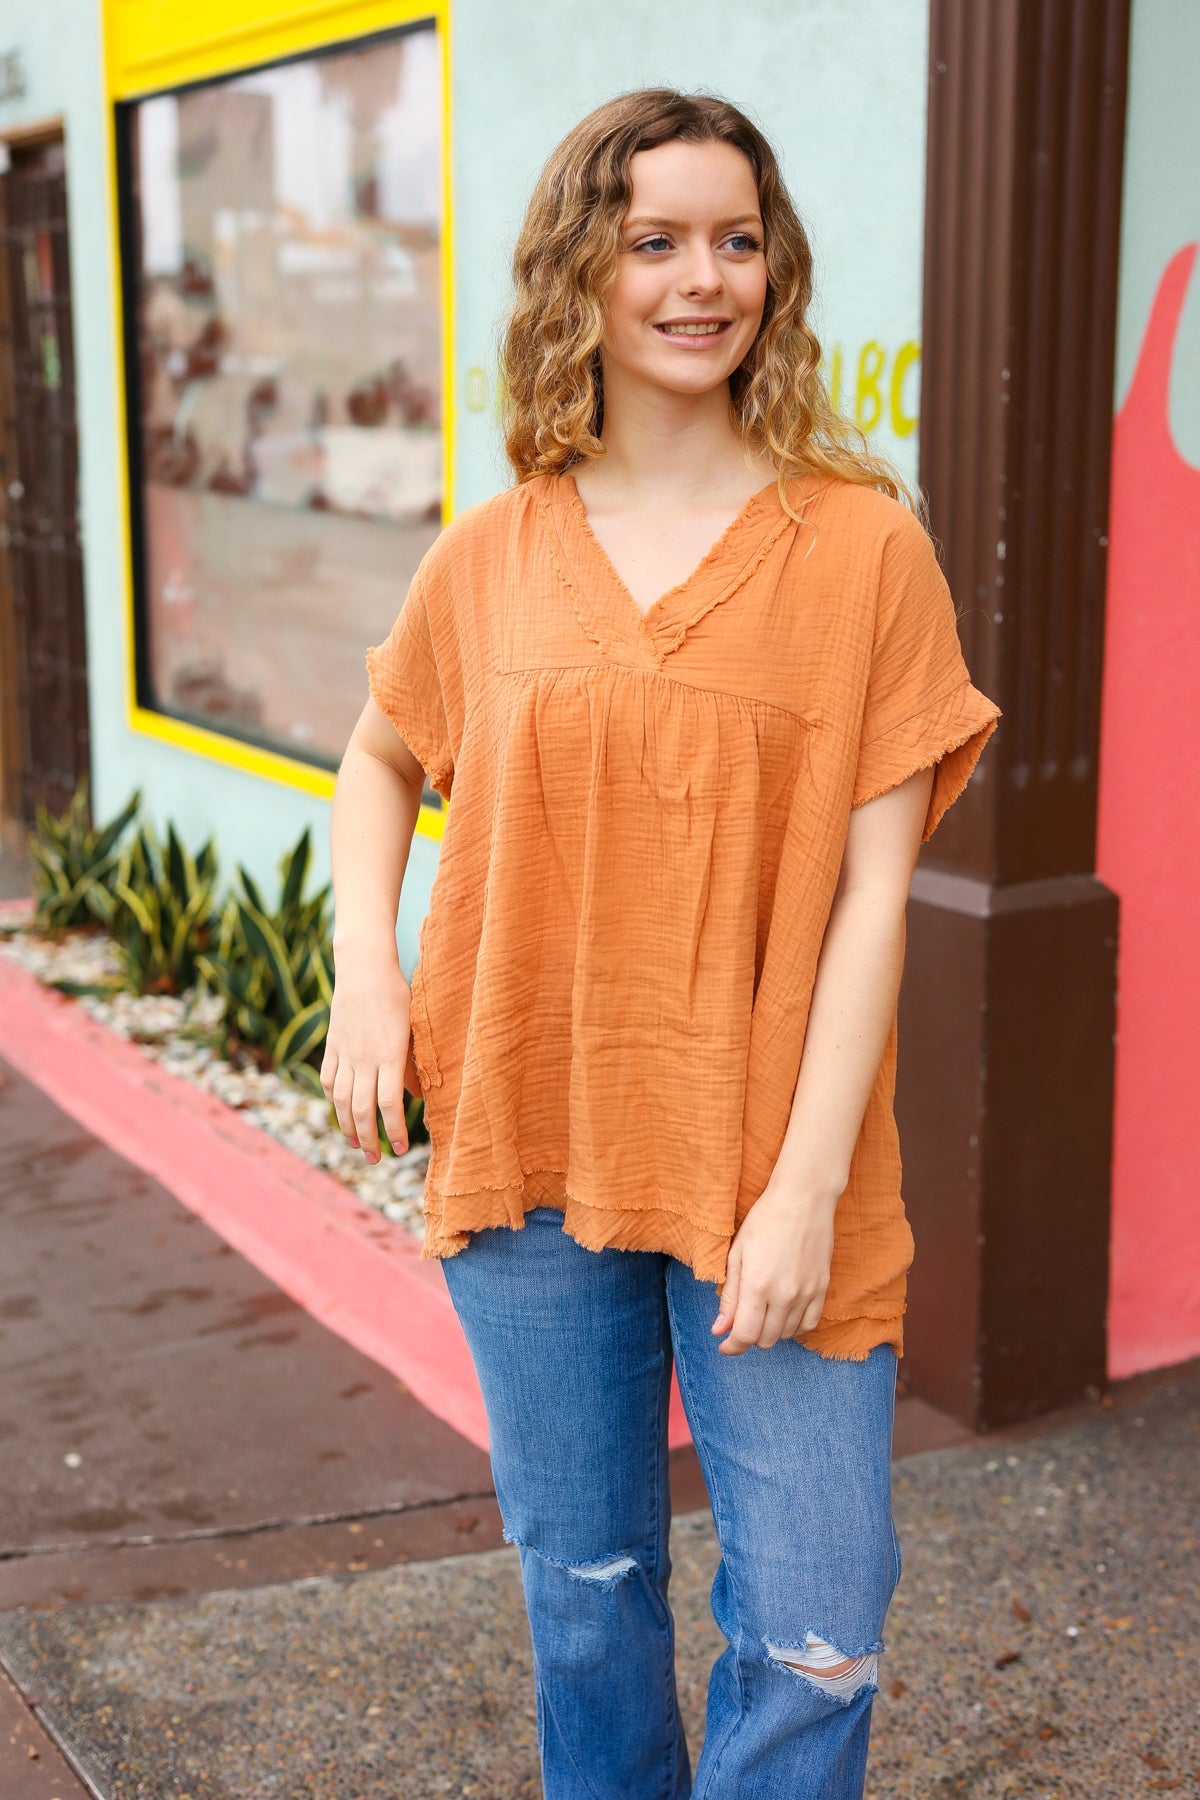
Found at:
[375, 804]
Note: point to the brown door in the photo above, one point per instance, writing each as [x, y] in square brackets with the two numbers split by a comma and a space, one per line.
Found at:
[44, 735]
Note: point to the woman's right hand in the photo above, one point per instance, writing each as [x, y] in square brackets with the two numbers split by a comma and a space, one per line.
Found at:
[368, 1059]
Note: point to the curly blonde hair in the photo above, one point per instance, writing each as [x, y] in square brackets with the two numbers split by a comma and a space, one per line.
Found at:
[565, 262]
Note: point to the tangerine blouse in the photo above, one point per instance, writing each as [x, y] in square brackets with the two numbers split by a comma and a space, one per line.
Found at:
[648, 817]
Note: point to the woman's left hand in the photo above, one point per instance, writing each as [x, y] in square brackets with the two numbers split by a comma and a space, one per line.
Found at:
[777, 1274]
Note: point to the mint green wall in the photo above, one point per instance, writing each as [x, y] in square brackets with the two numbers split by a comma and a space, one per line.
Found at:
[1160, 210]
[840, 89]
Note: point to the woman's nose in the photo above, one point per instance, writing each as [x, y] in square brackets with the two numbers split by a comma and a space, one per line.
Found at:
[702, 274]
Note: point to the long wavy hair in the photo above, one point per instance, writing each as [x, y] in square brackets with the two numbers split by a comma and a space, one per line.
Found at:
[565, 263]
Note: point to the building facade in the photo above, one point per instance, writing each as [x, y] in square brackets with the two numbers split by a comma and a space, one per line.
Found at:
[254, 265]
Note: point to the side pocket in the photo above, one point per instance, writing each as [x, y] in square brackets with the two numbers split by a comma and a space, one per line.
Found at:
[424, 1054]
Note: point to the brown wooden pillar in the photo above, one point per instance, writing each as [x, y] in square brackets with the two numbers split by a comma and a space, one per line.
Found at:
[1007, 1013]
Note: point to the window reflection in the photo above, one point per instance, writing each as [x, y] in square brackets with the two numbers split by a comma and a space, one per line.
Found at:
[288, 416]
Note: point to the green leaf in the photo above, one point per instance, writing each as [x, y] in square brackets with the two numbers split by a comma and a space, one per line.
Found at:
[180, 866]
[51, 862]
[324, 973]
[252, 893]
[257, 983]
[106, 839]
[135, 905]
[211, 973]
[105, 989]
[303, 1075]
[302, 971]
[294, 869]
[186, 924]
[302, 1035]
[99, 902]
[265, 943]
[254, 1025]
[146, 847]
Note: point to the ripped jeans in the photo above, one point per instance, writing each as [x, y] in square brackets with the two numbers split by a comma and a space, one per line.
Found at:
[573, 1349]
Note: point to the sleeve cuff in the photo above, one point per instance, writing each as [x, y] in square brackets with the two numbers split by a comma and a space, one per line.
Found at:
[949, 735]
[403, 709]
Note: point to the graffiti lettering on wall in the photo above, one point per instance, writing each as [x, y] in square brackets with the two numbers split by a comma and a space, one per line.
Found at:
[874, 386]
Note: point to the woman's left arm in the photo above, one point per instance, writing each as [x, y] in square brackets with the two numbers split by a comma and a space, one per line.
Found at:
[779, 1260]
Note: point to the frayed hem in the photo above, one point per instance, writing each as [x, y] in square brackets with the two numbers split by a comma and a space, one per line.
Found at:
[849, 1337]
[450, 1219]
[438, 772]
[836, 1355]
[949, 736]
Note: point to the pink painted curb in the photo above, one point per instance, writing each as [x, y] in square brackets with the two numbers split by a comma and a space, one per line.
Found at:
[352, 1269]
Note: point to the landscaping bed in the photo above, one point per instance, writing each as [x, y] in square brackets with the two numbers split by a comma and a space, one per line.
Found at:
[164, 1026]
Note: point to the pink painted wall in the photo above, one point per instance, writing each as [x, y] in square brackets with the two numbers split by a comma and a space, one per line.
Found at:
[1149, 853]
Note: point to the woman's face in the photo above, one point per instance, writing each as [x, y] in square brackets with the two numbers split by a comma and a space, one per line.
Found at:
[692, 277]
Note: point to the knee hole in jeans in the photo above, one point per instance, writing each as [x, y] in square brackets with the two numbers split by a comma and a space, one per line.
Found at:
[611, 1569]
[826, 1667]
[604, 1572]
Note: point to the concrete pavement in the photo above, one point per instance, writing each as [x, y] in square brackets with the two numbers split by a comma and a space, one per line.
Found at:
[237, 1559]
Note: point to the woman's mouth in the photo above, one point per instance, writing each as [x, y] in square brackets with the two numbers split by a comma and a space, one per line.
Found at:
[695, 334]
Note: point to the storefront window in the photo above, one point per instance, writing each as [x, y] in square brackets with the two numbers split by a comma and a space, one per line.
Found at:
[284, 353]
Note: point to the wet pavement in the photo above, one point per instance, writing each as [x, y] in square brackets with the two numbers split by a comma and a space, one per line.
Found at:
[237, 1559]
[159, 1390]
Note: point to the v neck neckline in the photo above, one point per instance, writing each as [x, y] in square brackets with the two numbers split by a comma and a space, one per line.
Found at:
[604, 604]
[713, 554]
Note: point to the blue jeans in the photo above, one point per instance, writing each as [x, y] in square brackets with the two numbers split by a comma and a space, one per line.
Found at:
[573, 1349]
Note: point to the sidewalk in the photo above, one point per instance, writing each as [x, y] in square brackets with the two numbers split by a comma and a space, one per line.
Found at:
[238, 1558]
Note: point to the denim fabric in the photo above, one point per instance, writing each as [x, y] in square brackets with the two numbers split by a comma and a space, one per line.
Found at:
[573, 1348]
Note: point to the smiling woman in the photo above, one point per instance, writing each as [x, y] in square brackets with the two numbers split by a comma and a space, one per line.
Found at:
[683, 313]
[592, 214]
[696, 685]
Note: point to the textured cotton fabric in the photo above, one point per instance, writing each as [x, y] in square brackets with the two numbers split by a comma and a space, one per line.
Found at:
[648, 817]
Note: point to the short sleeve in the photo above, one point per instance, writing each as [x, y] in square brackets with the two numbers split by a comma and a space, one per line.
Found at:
[921, 708]
[405, 682]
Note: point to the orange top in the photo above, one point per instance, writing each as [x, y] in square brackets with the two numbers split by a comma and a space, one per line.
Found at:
[648, 817]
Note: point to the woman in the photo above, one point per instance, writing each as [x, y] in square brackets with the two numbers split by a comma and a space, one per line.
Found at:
[696, 685]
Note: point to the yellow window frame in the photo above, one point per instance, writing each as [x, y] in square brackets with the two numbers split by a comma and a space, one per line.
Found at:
[151, 45]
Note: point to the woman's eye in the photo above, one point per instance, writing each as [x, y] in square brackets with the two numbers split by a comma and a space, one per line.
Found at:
[740, 242]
